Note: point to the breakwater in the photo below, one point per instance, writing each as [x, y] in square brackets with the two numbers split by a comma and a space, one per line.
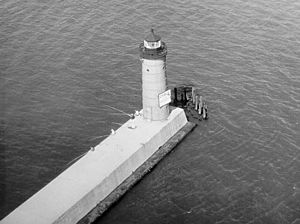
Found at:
[78, 190]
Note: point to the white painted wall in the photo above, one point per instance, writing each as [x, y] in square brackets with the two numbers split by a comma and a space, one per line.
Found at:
[154, 82]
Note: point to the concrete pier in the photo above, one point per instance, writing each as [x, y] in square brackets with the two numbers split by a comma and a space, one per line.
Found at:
[138, 174]
[79, 189]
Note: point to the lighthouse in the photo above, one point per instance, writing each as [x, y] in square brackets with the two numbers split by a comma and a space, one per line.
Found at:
[153, 54]
[104, 173]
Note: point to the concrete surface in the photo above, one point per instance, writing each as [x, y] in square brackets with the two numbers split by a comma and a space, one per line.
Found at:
[76, 191]
[137, 175]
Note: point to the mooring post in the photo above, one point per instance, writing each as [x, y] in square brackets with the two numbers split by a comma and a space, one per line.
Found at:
[193, 94]
[200, 105]
[187, 96]
[196, 102]
[204, 112]
[175, 95]
[184, 96]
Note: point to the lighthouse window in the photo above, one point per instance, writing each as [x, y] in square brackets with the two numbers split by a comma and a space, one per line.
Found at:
[152, 44]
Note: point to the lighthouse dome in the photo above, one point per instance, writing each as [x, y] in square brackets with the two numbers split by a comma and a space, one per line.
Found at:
[152, 41]
[153, 47]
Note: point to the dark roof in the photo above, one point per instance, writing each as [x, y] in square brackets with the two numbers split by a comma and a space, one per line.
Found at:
[152, 37]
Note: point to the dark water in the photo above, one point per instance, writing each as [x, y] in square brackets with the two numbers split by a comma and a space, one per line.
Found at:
[61, 61]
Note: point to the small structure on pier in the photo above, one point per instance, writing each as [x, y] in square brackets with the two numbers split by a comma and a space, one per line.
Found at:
[190, 99]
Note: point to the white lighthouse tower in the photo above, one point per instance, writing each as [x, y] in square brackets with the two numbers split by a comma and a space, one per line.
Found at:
[153, 54]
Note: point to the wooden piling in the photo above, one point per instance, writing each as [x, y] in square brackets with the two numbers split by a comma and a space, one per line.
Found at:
[193, 95]
[196, 102]
[175, 94]
[200, 105]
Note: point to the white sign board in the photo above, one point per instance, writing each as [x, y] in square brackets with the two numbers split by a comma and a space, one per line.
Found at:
[164, 98]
